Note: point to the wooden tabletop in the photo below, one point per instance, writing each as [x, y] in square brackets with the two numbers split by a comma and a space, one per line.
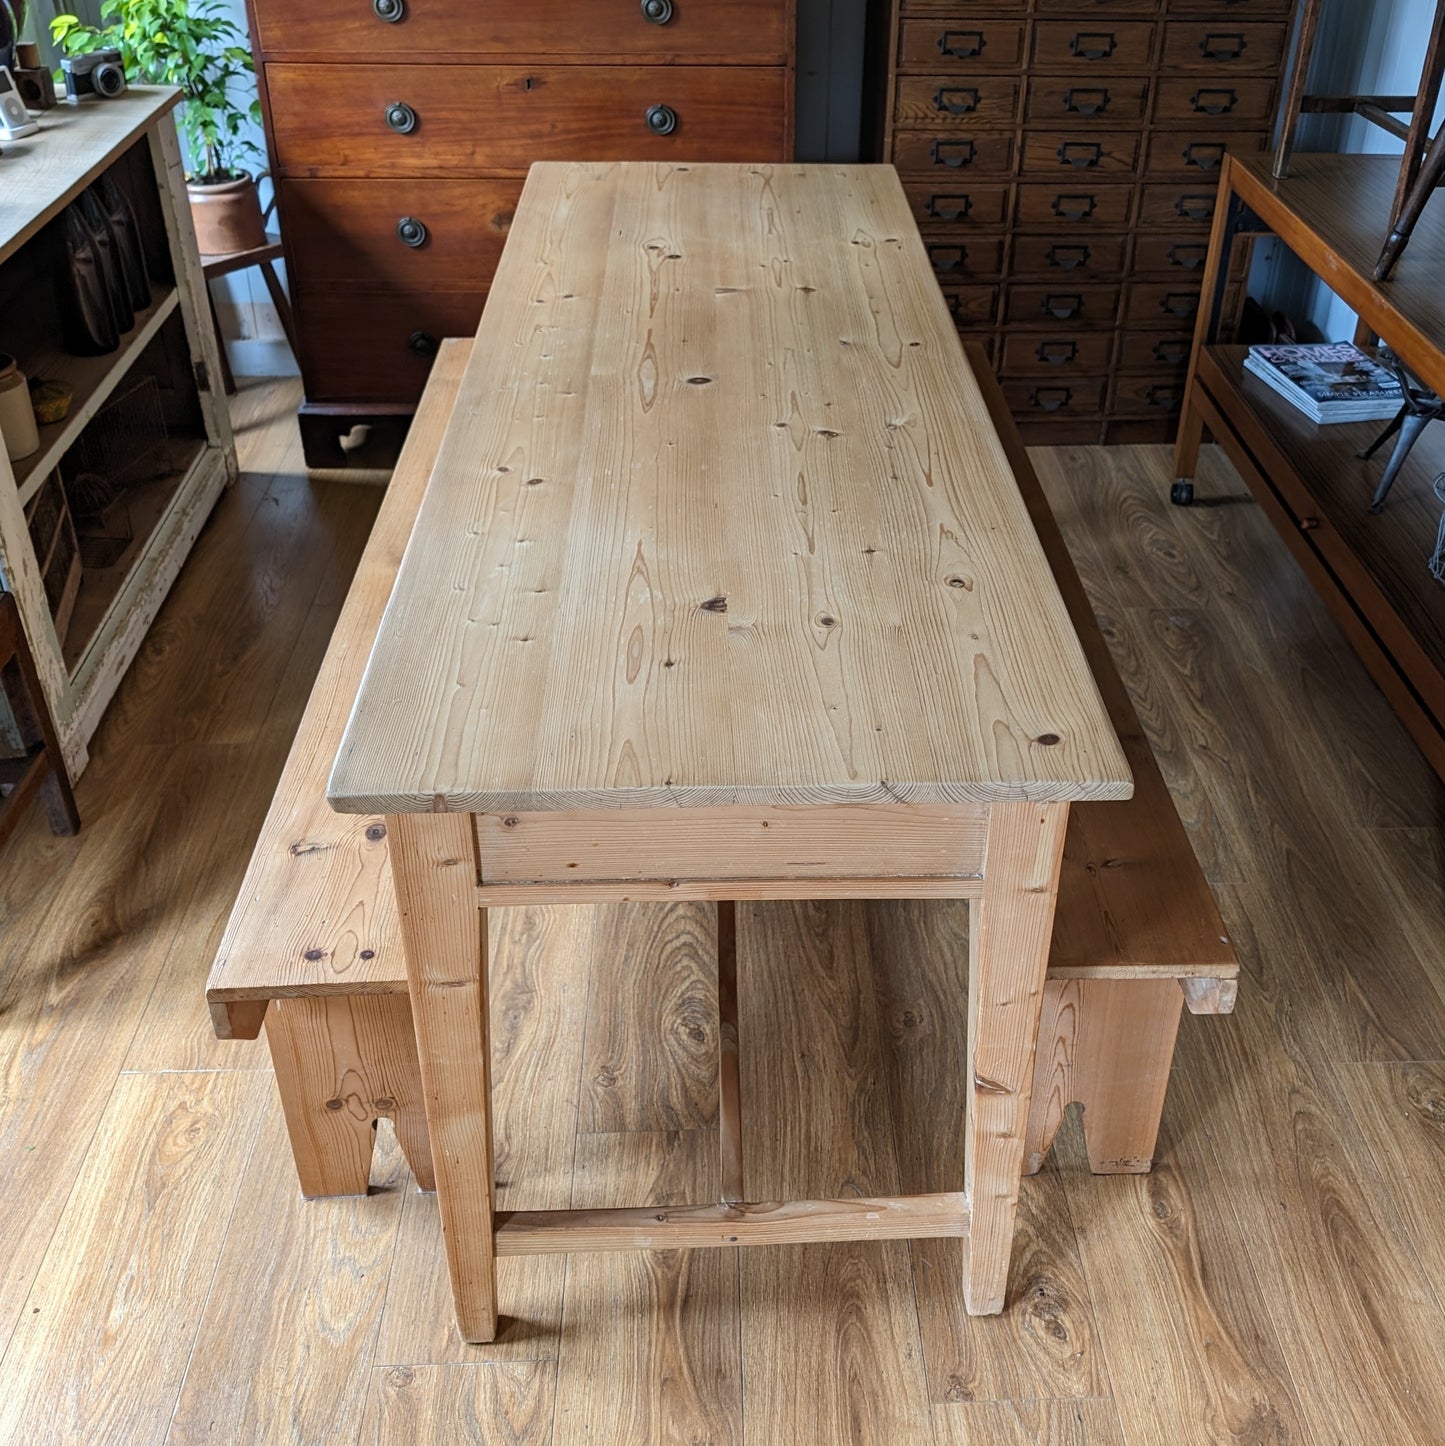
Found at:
[721, 518]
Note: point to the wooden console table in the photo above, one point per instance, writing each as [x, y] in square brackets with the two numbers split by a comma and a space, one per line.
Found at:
[1370, 570]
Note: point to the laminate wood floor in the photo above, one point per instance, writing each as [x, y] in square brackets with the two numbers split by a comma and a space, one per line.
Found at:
[1280, 1277]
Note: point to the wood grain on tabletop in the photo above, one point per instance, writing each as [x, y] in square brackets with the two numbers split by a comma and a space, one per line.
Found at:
[772, 554]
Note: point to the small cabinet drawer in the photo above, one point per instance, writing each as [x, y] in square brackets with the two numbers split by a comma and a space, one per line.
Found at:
[1188, 154]
[1083, 305]
[1079, 8]
[1223, 46]
[376, 346]
[1054, 354]
[971, 305]
[1098, 153]
[1166, 304]
[958, 206]
[1060, 100]
[404, 235]
[1083, 256]
[949, 46]
[734, 32]
[1081, 206]
[1094, 46]
[1236, 98]
[956, 260]
[1188, 207]
[1160, 395]
[1247, 9]
[962, 7]
[954, 152]
[936, 100]
[1165, 352]
[1181, 256]
[396, 120]
[1039, 397]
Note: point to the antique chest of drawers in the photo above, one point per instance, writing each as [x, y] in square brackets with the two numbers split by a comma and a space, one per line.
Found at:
[1062, 159]
[400, 132]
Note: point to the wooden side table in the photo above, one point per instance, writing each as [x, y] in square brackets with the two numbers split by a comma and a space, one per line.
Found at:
[723, 589]
[264, 258]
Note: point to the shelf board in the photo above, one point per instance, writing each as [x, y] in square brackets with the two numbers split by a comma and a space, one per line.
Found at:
[93, 379]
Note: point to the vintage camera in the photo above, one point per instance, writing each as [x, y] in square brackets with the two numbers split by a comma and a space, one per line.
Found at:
[100, 73]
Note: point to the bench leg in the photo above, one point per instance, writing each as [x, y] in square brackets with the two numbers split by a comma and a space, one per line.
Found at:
[444, 932]
[341, 1062]
[1108, 1044]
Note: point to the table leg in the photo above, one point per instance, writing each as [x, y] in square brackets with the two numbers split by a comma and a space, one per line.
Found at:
[1010, 928]
[444, 933]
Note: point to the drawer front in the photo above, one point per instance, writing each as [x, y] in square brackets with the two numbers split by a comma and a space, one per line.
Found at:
[1066, 208]
[1183, 206]
[1201, 154]
[954, 152]
[378, 346]
[958, 260]
[972, 305]
[1061, 100]
[1146, 352]
[1181, 256]
[396, 121]
[953, 45]
[1053, 305]
[1082, 8]
[737, 32]
[1205, 99]
[1245, 9]
[1223, 46]
[1155, 396]
[958, 206]
[945, 100]
[1094, 47]
[1097, 153]
[1165, 304]
[1056, 354]
[1056, 258]
[1039, 397]
[402, 235]
[967, 8]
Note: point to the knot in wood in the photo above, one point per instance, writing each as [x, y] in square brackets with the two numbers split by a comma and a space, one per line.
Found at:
[1047, 740]
[314, 955]
[987, 1086]
[375, 832]
[718, 604]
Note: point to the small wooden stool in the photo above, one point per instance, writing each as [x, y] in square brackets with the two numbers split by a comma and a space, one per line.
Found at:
[41, 768]
[264, 258]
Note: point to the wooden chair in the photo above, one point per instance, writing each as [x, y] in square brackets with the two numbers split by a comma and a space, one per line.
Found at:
[264, 258]
[41, 768]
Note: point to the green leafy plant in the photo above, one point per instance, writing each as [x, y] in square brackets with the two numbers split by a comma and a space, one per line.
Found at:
[193, 44]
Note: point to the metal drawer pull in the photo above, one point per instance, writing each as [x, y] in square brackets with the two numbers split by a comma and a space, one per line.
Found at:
[1166, 398]
[1086, 102]
[411, 231]
[1214, 102]
[954, 153]
[401, 118]
[1051, 398]
[1063, 304]
[657, 12]
[661, 120]
[947, 258]
[389, 10]
[1057, 353]
[1223, 45]
[949, 208]
[422, 343]
[1179, 303]
[1081, 154]
[1067, 258]
[1094, 44]
[962, 44]
[1190, 256]
[1075, 208]
[943, 99]
[1207, 155]
[1195, 208]
[1171, 353]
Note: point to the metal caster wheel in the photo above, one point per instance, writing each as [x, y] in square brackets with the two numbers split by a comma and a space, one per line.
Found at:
[1181, 494]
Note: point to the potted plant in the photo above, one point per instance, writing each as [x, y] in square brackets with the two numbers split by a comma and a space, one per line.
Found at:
[193, 44]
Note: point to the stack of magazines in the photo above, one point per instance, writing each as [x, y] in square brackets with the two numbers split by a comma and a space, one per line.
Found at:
[1328, 381]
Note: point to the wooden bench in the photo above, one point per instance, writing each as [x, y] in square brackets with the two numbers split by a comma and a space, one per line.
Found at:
[313, 948]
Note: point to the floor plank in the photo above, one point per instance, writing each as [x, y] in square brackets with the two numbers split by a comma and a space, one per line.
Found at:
[502, 1403]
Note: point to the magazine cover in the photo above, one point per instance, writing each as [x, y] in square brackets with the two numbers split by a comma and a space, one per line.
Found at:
[1331, 372]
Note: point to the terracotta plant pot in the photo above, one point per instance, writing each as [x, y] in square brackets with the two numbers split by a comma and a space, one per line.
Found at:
[227, 216]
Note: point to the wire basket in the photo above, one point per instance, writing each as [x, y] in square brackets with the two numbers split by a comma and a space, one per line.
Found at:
[124, 443]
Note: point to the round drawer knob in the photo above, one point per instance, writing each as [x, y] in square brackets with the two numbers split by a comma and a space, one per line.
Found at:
[422, 343]
[661, 120]
[658, 12]
[389, 10]
[401, 118]
[411, 231]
